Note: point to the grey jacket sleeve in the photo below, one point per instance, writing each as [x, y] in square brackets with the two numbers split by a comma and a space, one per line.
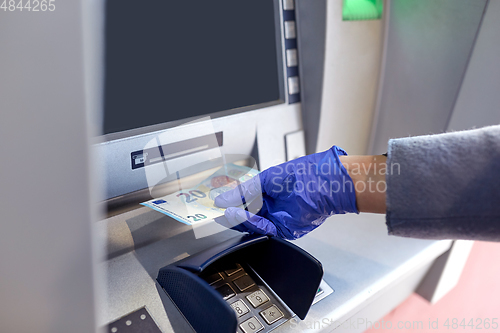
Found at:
[445, 186]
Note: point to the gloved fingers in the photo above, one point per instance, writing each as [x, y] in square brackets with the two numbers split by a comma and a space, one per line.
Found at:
[223, 221]
[255, 206]
[251, 222]
[339, 151]
[243, 193]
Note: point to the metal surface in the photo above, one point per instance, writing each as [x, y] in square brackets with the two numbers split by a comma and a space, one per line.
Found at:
[478, 103]
[369, 270]
[45, 244]
[270, 137]
[139, 321]
[428, 47]
[372, 314]
[294, 144]
[311, 32]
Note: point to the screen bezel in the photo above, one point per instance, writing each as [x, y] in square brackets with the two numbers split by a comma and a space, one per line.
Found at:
[283, 96]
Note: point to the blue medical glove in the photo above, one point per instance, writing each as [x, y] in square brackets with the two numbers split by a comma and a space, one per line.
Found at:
[291, 199]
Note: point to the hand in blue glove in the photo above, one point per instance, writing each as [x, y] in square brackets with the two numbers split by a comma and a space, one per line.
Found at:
[292, 198]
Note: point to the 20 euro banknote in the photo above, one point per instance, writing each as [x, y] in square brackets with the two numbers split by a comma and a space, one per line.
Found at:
[196, 205]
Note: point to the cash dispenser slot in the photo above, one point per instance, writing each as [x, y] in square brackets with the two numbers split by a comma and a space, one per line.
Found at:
[246, 284]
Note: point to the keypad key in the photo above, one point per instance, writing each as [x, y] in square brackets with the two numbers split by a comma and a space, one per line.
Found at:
[271, 314]
[291, 58]
[288, 5]
[240, 308]
[290, 31]
[257, 298]
[293, 85]
[233, 270]
[251, 325]
[211, 279]
[226, 291]
[244, 282]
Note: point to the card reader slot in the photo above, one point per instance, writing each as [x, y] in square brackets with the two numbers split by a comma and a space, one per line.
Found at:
[150, 156]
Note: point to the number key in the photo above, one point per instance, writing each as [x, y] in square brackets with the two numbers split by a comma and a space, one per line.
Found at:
[251, 325]
[240, 308]
[257, 298]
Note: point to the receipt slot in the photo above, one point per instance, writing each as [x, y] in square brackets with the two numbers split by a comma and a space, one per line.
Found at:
[246, 284]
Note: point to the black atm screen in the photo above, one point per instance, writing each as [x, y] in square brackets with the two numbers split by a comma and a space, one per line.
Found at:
[170, 60]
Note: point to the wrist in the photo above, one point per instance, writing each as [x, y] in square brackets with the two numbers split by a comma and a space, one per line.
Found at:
[368, 175]
[342, 193]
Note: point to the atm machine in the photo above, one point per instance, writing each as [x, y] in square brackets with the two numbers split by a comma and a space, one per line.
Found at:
[176, 91]
[190, 87]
